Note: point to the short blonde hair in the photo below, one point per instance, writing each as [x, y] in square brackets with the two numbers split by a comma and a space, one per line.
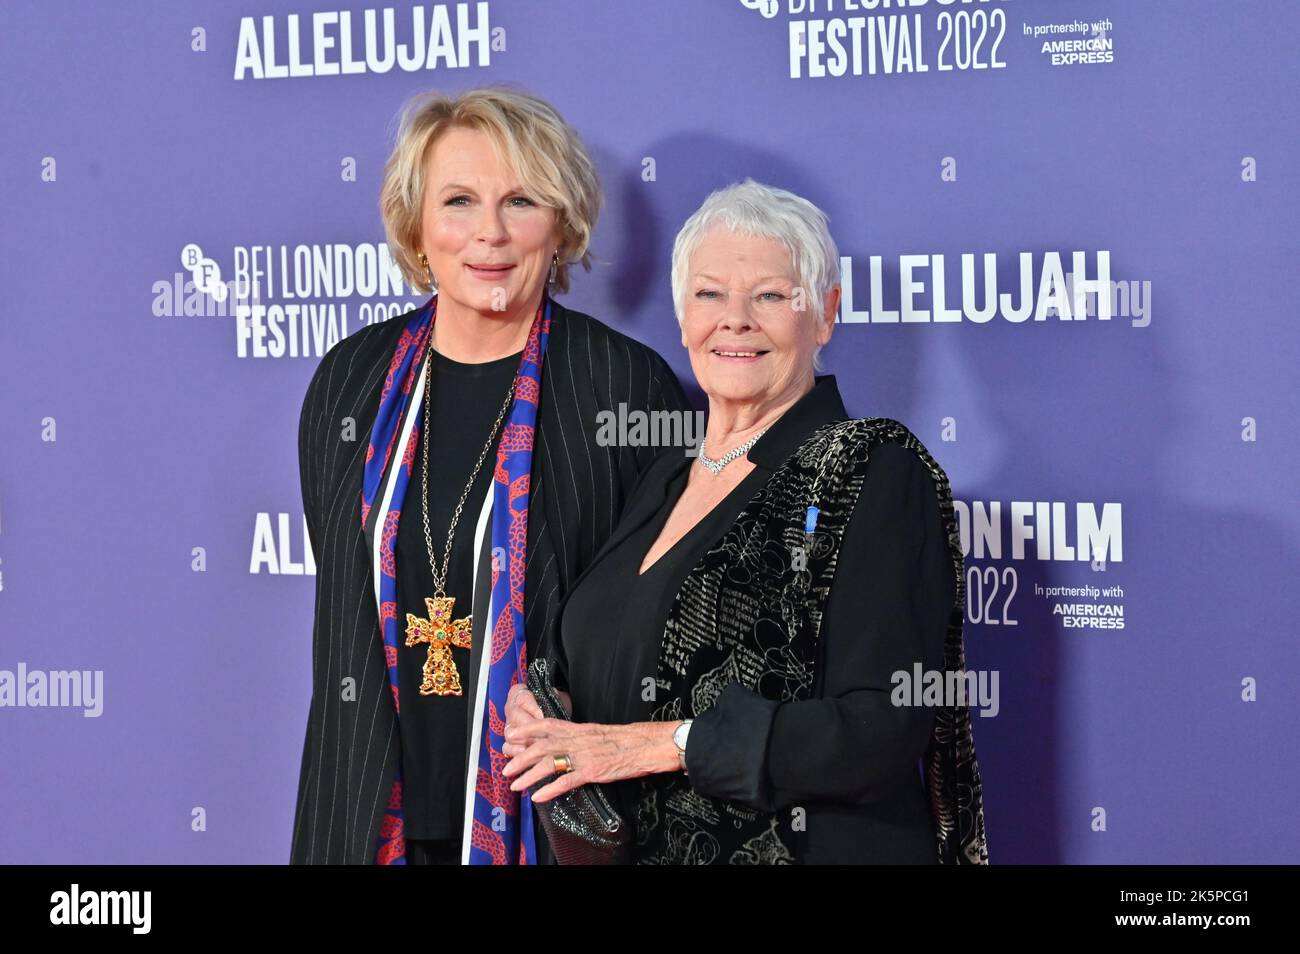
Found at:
[544, 151]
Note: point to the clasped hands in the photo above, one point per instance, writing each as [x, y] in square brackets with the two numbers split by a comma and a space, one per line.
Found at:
[597, 753]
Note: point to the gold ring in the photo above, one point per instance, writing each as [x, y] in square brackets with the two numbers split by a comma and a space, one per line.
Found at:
[562, 764]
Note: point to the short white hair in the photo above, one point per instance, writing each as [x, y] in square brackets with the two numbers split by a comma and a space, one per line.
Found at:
[751, 208]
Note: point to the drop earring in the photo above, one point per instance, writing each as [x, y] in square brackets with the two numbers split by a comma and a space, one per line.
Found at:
[555, 268]
[433, 285]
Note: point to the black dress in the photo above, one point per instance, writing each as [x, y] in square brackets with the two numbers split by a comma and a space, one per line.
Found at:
[610, 626]
[848, 756]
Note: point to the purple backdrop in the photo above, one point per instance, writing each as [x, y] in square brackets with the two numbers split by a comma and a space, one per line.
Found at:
[150, 519]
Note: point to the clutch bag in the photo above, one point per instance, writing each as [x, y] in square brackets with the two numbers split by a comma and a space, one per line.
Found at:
[581, 825]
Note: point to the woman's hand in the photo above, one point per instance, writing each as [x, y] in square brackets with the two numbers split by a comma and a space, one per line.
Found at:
[522, 708]
[598, 753]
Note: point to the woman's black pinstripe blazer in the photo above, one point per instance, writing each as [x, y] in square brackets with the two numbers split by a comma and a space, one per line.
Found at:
[579, 487]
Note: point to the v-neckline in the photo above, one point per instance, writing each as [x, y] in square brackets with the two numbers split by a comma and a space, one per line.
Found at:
[642, 573]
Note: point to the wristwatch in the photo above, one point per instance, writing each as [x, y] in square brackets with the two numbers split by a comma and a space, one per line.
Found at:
[679, 739]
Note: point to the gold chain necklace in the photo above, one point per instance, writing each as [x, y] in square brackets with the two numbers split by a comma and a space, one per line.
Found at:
[440, 631]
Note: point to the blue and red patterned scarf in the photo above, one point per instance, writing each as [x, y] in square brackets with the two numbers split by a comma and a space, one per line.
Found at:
[502, 829]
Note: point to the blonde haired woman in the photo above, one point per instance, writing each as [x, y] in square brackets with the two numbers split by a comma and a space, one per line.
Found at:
[446, 536]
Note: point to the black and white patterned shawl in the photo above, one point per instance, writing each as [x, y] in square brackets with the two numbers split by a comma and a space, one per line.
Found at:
[750, 612]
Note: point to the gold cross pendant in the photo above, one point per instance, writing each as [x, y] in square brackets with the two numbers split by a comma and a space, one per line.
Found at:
[441, 633]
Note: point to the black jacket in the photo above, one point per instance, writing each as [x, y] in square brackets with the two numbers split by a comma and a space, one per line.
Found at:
[351, 747]
[848, 756]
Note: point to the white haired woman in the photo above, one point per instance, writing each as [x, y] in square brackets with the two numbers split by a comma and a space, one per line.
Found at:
[730, 654]
[444, 543]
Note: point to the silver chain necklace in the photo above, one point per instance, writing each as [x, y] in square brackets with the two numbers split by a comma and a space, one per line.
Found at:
[715, 466]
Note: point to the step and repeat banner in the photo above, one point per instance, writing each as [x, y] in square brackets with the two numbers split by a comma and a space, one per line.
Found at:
[1065, 231]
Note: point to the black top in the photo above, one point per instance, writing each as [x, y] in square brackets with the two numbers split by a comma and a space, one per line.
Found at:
[464, 401]
[848, 756]
[610, 627]
[351, 744]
